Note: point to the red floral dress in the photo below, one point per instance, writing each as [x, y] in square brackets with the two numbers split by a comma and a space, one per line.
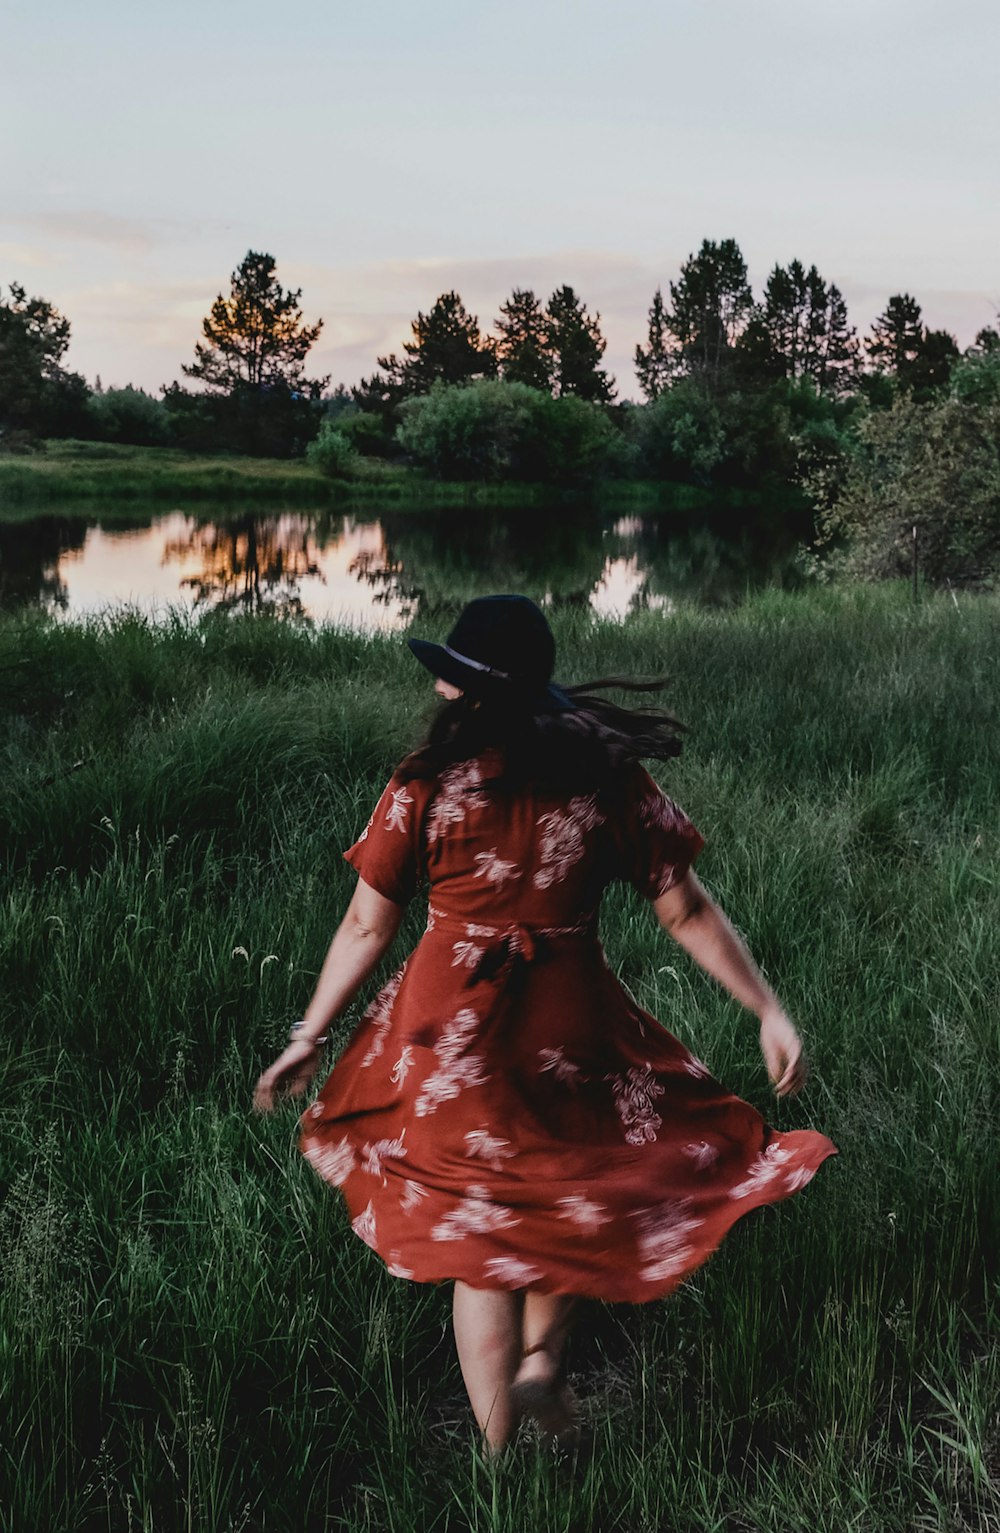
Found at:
[505, 1114]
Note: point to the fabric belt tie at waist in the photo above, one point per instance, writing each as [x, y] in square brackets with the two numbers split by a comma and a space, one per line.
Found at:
[508, 952]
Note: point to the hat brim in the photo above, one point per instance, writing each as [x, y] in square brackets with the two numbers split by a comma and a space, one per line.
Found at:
[440, 663]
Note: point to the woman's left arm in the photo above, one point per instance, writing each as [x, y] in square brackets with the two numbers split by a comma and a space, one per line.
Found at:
[361, 940]
[694, 920]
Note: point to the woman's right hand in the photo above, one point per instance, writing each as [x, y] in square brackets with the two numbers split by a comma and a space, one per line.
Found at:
[782, 1050]
[290, 1074]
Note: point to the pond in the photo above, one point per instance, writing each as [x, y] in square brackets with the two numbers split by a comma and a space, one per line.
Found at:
[380, 569]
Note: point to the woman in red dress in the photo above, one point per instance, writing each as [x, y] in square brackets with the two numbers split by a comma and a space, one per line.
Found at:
[506, 1116]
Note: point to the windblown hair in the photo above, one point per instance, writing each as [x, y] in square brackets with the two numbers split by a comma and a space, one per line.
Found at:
[577, 750]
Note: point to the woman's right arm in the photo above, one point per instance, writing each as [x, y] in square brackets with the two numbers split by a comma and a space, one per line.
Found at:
[688, 912]
[360, 942]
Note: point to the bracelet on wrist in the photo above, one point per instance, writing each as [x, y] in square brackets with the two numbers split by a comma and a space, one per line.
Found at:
[296, 1034]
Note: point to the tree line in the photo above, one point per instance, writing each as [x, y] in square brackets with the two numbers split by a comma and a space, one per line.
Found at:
[737, 389]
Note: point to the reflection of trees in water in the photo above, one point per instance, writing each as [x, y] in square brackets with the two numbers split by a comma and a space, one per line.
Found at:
[250, 563]
[30, 552]
[570, 557]
[436, 561]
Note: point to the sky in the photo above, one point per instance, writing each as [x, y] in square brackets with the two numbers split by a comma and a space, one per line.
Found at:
[384, 152]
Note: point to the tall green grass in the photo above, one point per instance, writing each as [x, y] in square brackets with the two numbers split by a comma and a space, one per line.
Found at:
[190, 1336]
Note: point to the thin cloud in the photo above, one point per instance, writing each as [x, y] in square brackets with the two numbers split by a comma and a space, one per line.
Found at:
[93, 226]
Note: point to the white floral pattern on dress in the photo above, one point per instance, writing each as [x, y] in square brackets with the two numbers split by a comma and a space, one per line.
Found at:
[456, 1069]
[473, 929]
[561, 844]
[465, 955]
[379, 1150]
[701, 1153]
[564, 1070]
[456, 797]
[799, 1177]
[634, 1094]
[334, 1162]
[364, 1225]
[396, 813]
[494, 868]
[583, 1211]
[664, 1244]
[413, 1196]
[402, 1067]
[476, 1214]
[394, 1266]
[763, 1169]
[379, 1014]
[511, 1269]
[482, 1145]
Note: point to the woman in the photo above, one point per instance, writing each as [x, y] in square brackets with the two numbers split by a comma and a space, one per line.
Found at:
[506, 1116]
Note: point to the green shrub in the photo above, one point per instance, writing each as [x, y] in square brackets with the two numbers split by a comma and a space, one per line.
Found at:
[129, 415]
[933, 466]
[495, 430]
[332, 451]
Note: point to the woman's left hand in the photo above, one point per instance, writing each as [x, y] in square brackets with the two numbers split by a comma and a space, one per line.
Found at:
[290, 1074]
[782, 1049]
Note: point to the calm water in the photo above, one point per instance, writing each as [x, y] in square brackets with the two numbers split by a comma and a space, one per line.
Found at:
[379, 570]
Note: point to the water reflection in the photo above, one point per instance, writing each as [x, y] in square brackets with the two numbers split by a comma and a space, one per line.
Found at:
[378, 572]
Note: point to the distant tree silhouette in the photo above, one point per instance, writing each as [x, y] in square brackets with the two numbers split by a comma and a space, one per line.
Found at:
[711, 306]
[447, 347]
[257, 337]
[896, 335]
[38, 396]
[800, 330]
[577, 347]
[655, 362]
[920, 360]
[251, 362]
[523, 350]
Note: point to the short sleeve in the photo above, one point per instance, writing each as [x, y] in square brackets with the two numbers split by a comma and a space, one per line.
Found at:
[657, 843]
[387, 853]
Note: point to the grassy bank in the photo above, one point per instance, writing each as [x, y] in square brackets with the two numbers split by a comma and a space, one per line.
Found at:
[192, 1337]
[71, 473]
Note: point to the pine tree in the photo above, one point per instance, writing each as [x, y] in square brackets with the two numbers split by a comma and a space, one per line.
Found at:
[447, 347]
[655, 362]
[711, 306]
[523, 351]
[256, 338]
[837, 359]
[577, 347]
[896, 336]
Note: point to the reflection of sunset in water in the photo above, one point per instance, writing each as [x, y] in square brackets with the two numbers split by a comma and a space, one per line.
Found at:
[375, 575]
[622, 587]
[253, 563]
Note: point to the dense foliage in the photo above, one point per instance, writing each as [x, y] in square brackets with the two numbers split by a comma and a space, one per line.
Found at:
[38, 396]
[926, 471]
[499, 430]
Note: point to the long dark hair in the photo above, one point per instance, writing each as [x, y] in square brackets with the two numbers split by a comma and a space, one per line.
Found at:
[580, 749]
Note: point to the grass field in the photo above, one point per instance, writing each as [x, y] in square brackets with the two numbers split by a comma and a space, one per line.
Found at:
[190, 1336]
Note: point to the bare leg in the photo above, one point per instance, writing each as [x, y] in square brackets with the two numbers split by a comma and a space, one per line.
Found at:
[538, 1389]
[545, 1326]
[488, 1337]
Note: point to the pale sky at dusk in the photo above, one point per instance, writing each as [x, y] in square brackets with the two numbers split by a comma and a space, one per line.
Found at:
[384, 152]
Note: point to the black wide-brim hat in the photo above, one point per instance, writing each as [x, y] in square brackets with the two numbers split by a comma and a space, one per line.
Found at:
[498, 639]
